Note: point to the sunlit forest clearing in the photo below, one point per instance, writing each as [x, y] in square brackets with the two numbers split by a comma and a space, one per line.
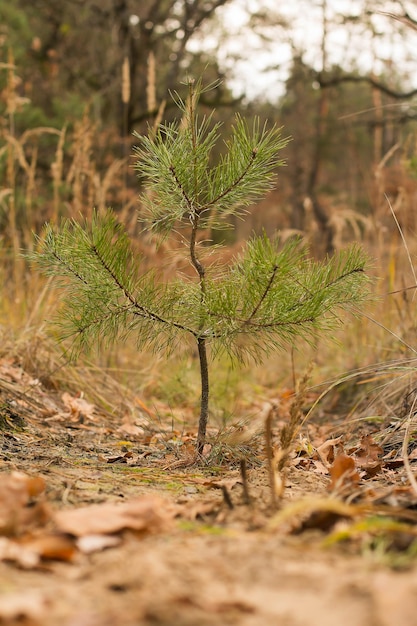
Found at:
[295, 501]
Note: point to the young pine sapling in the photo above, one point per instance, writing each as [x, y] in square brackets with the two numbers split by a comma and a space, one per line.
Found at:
[264, 300]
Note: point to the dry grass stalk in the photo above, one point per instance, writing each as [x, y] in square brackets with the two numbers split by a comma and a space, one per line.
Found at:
[81, 172]
[159, 116]
[403, 239]
[42, 358]
[151, 83]
[26, 152]
[290, 431]
[11, 106]
[270, 456]
[278, 456]
[379, 116]
[126, 95]
[29, 195]
[343, 218]
[406, 460]
[126, 81]
[57, 170]
[379, 183]
[102, 185]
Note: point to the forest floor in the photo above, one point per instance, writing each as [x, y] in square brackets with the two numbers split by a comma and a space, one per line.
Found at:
[105, 522]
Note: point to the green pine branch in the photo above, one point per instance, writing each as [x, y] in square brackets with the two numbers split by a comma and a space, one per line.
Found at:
[175, 162]
[275, 295]
[105, 297]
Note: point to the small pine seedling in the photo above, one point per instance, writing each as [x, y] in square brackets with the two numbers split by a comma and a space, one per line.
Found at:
[264, 300]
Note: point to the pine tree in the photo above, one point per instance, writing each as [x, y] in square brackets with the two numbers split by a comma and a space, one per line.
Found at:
[264, 300]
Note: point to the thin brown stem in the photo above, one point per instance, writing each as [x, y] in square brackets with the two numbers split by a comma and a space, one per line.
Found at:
[184, 193]
[204, 404]
[194, 259]
[201, 341]
[202, 349]
[270, 457]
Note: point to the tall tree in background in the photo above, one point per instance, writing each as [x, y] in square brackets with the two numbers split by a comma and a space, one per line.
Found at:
[78, 47]
[346, 101]
[331, 82]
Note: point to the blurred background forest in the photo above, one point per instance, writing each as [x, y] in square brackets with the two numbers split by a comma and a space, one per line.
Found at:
[77, 78]
[340, 76]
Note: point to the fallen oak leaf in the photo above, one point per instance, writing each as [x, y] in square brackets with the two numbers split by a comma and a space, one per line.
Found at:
[30, 486]
[79, 408]
[368, 456]
[369, 449]
[129, 427]
[319, 467]
[343, 472]
[326, 450]
[372, 470]
[393, 464]
[17, 509]
[35, 485]
[146, 514]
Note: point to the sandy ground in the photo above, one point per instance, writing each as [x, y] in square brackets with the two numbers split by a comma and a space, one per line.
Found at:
[190, 579]
[189, 550]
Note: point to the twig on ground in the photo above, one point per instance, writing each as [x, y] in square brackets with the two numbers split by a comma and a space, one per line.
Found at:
[407, 466]
[270, 456]
[244, 475]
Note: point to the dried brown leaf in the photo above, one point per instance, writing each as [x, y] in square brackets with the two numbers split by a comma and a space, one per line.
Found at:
[229, 483]
[21, 555]
[50, 546]
[121, 458]
[146, 514]
[368, 450]
[78, 406]
[194, 510]
[326, 450]
[16, 492]
[343, 472]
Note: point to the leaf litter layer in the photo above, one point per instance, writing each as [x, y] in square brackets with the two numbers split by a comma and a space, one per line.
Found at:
[102, 521]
